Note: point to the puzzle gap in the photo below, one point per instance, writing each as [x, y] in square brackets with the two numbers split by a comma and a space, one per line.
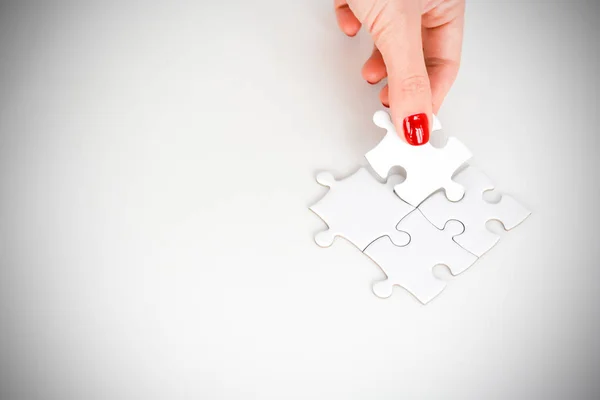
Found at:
[492, 196]
[397, 171]
[441, 271]
[496, 227]
[438, 139]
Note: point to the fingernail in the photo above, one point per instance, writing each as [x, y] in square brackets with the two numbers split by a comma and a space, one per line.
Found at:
[416, 129]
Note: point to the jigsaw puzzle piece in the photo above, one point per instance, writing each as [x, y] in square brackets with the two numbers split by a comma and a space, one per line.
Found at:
[411, 266]
[428, 168]
[360, 209]
[474, 212]
[402, 270]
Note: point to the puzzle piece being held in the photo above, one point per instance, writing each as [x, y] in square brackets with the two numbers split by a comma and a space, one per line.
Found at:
[360, 209]
[428, 168]
[411, 266]
[474, 212]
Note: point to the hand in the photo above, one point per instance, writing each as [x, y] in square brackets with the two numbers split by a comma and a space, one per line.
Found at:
[417, 47]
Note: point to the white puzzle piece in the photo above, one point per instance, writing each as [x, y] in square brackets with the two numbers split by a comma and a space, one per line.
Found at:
[360, 209]
[428, 168]
[411, 266]
[474, 212]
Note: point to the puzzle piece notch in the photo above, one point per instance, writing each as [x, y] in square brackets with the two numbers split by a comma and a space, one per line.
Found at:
[360, 209]
[428, 168]
[474, 212]
[411, 267]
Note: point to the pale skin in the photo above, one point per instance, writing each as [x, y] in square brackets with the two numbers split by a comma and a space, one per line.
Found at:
[417, 47]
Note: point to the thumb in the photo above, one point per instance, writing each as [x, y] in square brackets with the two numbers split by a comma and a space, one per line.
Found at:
[396, 31]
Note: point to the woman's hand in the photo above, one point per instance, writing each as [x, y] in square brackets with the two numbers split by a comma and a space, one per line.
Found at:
[417, 47]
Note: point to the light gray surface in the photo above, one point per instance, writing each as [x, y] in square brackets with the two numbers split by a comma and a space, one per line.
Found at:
[156, 165]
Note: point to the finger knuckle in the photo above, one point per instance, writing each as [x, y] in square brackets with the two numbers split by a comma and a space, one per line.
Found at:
[377, 18]
[451, 65]
[444, 12]
[414, 84]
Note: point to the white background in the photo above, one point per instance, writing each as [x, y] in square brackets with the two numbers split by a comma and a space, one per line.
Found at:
[157, 161]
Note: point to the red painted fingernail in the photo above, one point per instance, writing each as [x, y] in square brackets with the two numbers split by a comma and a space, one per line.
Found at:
[416, 129]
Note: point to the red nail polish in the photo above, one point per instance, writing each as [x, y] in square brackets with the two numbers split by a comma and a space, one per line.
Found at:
[416, 129]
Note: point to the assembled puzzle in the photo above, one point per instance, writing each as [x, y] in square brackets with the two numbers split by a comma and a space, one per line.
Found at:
[437, 215]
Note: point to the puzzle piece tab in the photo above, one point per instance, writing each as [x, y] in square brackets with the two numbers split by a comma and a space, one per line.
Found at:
[360, 209]
[428, 168]
[474, 212]
[411, 266]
